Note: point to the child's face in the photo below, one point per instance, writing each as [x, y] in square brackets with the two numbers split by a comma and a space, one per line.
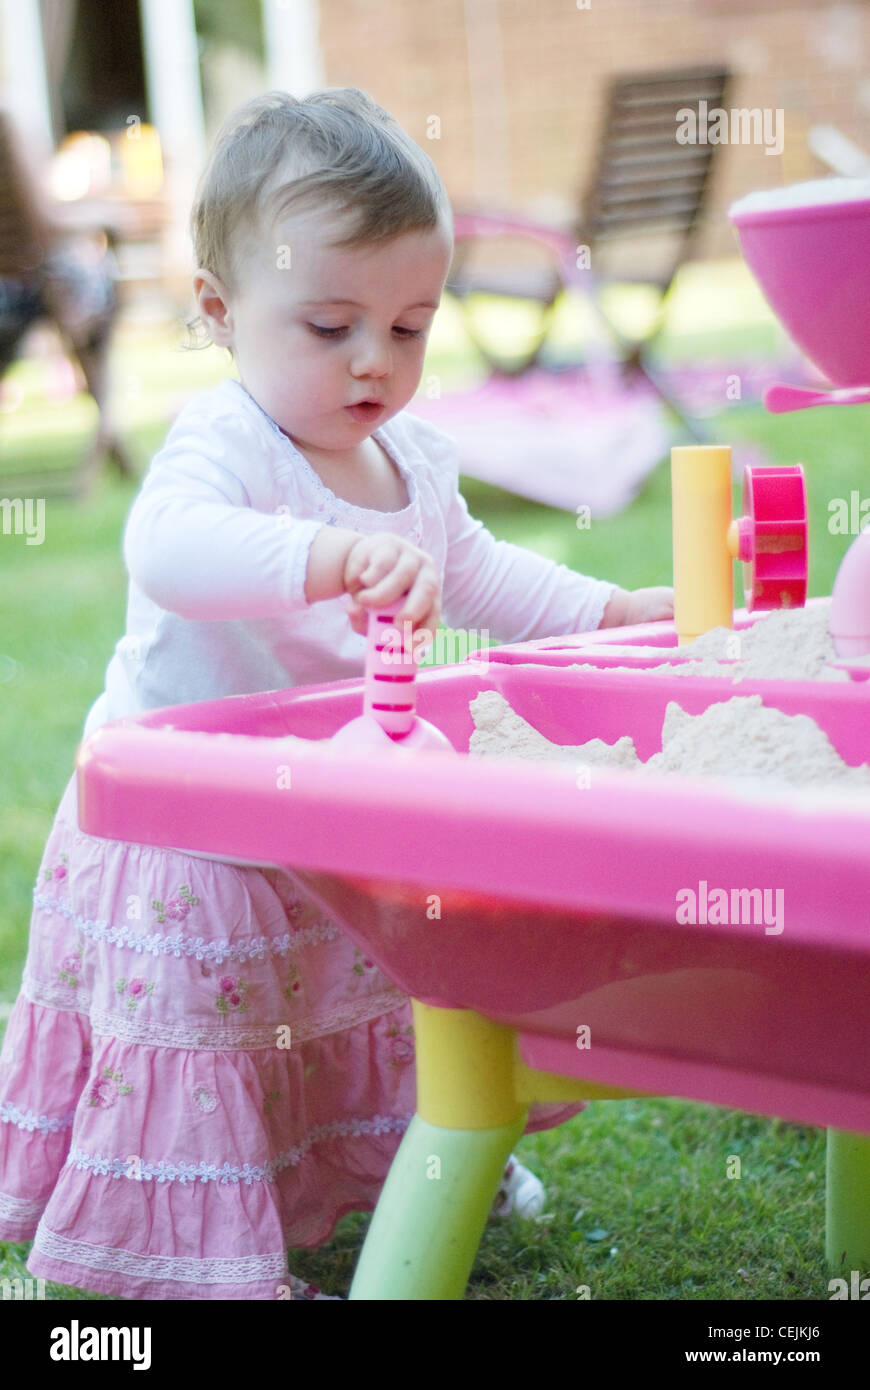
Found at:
[306, 360]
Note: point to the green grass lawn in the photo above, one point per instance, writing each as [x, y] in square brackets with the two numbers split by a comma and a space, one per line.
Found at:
[639, 1203]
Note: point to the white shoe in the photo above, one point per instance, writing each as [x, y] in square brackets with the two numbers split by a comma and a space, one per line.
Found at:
[519, 1191]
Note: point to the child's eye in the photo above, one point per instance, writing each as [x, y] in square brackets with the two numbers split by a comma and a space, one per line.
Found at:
[336, 332]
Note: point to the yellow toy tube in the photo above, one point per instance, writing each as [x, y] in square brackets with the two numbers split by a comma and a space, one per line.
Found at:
[703, 547]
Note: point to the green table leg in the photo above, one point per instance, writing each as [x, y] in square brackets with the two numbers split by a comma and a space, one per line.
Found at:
[433, 1207]
[847, 1203]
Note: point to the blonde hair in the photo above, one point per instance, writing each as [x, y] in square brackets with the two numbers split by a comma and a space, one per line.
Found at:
[341, 151]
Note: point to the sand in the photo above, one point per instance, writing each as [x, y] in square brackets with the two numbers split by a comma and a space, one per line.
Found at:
[739, 741]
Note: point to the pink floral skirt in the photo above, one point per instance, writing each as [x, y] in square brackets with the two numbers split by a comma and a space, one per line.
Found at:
[200, 1071]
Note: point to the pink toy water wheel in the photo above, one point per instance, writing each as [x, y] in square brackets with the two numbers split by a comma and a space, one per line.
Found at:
[771, 538]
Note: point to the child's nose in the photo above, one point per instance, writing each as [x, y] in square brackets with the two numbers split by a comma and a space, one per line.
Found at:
[374, 356]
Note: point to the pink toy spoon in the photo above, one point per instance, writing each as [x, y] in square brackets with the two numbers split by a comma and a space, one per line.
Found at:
[389, 718]
[780, 397]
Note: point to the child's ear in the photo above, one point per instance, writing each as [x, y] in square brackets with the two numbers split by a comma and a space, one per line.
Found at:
[213, 298]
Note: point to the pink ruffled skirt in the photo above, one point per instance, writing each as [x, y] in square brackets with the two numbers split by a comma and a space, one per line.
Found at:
[200, 1071]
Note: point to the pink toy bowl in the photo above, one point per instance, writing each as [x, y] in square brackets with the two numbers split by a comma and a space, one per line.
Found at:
[813, 266]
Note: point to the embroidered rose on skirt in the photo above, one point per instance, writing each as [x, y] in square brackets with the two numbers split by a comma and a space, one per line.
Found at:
[107, 1090]
[205, 1099]
[232, 996]
[59, 871]
[293, 985]
[177, 908]
[70, 970]
[269, 1101]
[361, 964]
[401, 1045]
[136, 990]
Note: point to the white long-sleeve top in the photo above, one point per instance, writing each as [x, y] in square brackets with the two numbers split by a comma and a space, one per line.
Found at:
[217, 540]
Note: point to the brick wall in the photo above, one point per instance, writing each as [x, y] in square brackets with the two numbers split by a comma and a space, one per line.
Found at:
[518, 85]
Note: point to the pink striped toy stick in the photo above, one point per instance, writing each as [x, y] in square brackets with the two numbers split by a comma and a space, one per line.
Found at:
[389, 715]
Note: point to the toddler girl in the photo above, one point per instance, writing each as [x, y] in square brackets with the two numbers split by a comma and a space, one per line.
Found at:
[155, 1143]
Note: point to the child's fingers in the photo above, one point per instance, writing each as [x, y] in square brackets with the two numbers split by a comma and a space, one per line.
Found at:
[392, 585]
[423, 597]
[385, 569]
[373, 561]
[352, 581]
[359, 621]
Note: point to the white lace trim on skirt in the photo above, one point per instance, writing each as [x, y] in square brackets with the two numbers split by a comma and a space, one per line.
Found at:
[158, 944]
[28, 1119]
[248, 1173]
[215, 1037]
[17, 1209]
[248, 1270]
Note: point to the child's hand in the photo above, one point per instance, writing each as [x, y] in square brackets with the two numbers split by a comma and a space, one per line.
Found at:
[624, 608]
[649, 606]
[383, 567]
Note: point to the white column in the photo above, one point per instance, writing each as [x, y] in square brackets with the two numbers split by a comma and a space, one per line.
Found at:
[24, 90]
[175, 100]
[293, 59]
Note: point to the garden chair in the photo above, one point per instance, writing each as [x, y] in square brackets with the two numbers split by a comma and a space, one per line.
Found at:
[645, 186]
[45, 278]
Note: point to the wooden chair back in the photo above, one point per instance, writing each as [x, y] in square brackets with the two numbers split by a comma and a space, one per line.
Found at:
[644, 180]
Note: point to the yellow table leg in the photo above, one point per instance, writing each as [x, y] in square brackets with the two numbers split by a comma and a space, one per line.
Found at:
[473, 1092]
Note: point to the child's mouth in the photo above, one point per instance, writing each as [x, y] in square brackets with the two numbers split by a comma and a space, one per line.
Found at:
[366, 410]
